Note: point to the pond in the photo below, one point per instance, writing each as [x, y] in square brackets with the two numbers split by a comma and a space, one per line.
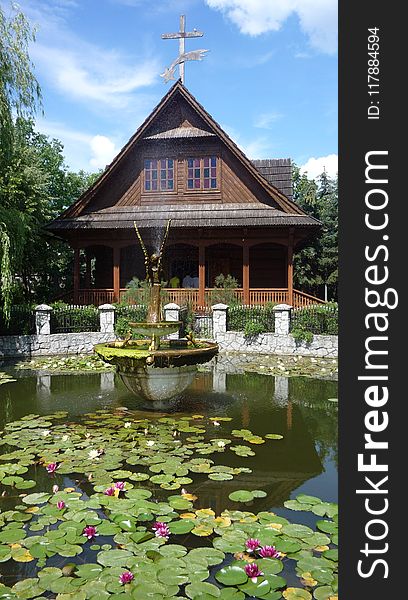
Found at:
[235, 448]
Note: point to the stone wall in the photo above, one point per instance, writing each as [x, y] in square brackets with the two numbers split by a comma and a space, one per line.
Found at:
[57, 343]
[273, 343]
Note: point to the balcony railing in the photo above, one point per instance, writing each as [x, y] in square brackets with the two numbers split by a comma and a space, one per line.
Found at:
[190, 296]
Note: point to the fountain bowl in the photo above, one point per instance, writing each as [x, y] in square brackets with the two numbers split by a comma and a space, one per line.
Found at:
[157, 375]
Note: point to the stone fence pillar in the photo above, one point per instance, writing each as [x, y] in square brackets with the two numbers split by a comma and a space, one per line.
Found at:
[107, 318]
[172, 313]
[219, 319]
[282, 318]
[43, 319]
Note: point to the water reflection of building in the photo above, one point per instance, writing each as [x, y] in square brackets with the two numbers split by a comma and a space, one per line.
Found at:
[263, 405]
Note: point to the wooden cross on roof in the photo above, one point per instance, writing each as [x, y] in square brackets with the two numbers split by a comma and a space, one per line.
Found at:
[183, 55]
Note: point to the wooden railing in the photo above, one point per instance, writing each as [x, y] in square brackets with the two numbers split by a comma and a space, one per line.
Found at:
[190, 296]
[301, 299]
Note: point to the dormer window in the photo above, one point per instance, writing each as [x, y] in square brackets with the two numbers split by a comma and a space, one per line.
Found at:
[202, 173]
[159, 175]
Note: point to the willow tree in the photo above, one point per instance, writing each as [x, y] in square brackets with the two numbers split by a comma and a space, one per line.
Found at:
[20, 97]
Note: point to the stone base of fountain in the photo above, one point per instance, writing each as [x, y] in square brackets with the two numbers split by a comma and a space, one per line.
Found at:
[157, 375]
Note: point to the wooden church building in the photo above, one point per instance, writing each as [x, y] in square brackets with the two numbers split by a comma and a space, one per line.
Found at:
[229, 215]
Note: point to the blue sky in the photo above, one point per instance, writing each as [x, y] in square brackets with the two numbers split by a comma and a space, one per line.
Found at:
[269, 78]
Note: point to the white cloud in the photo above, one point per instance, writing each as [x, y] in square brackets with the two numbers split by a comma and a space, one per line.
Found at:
[266, 120]
[81, 70]
[315, 166]
[318, 18]
[81, 150]
[104, 150]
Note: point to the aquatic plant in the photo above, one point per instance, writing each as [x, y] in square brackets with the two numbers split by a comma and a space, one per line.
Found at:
[134, 516]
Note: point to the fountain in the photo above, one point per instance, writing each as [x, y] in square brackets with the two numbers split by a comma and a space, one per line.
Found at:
[156, 369]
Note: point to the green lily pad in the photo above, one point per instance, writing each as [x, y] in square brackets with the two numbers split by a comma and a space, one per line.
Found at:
[273, 436]
[37, 498]
[241, 496]
[258, 589]
[231, 575]
[323, 592]
[327, 526]
[181, 527]
[196, 590]
[297, 531]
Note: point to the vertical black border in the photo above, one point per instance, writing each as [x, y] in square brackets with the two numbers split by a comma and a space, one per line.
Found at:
[357, 136]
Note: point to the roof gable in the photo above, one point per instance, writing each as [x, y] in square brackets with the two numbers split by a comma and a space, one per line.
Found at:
[180, 115]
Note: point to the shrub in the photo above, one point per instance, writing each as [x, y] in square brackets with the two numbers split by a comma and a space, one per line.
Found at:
[224, 290]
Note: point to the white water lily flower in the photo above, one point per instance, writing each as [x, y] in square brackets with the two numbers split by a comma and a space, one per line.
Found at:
[93, 454]
[150, 443]
[45, 433]
[128, 424]
[221, 444]
[215, 423]
[146, 431]
[65, 437]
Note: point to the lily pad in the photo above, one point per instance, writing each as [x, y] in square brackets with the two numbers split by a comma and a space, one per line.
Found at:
[231, 575]
[293, 593]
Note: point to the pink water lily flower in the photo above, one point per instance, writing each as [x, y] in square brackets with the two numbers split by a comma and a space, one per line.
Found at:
[90, 532]
[269, 552]
[252, 544]
[110, 491]
[120, 485]
[52, 467]
[60, 504]
[126, 577]
[161, 530]
[55, 489]
[252, 570]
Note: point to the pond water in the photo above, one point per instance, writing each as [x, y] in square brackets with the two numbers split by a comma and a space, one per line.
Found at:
[301, 409]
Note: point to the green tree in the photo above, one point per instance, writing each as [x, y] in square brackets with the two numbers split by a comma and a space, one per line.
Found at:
[316, 265]
[20, 97]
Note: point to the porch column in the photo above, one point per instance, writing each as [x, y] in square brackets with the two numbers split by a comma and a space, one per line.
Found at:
[88, 270]
[116, 273]
[245, 273]
[201, 275]
[290, 267]
[76, 274]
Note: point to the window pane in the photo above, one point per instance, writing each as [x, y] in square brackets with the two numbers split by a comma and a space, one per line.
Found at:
[206, 183]
[213, 183]
[147, 164]
[154, 174]
[197, 183]
[213, 172]
[206, 162]
[190, 183]
[190, 162]
[154, 185]
[206, 172]
[163, 163]
[147, 186]
[213, 161]
[163, 174]
[170, 184]
[190, 173]
[197, 173]
[154, 164]
[196, 162]
[170, 174]
[170, 163]
[147, 175]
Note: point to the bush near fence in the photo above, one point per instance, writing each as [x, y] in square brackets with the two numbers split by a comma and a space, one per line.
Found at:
[252, 320]
[315, 320]
[127, 313]
[21, 322]
[66, 318]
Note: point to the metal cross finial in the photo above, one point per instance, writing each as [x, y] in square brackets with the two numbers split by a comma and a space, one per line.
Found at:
[183, 56]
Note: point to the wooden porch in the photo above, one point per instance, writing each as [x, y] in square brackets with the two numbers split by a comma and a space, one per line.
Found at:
[192, 296]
